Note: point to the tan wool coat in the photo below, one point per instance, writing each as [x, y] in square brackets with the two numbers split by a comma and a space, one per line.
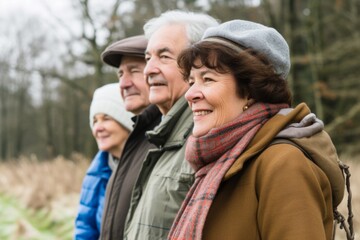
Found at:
[276, 192]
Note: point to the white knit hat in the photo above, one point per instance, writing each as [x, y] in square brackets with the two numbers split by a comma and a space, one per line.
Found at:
[107, 100]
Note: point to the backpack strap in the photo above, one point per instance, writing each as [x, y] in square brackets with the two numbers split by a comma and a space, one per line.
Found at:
[338, 217]
[288, 141]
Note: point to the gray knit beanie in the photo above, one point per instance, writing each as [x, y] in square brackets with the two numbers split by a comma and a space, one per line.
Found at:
[107, 100]
[262, 39]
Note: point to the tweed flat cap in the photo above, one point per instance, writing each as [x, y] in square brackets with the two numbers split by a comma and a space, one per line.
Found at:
[262, 39]
[132, 46]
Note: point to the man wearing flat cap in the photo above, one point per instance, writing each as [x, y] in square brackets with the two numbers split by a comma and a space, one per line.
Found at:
[128, 56]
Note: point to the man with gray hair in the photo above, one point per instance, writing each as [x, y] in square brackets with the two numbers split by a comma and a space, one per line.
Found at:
[127, 55]
[165, 177]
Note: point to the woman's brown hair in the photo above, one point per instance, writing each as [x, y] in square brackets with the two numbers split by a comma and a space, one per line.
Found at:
[255, 77]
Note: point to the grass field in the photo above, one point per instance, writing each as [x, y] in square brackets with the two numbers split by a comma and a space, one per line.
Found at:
[38, 200]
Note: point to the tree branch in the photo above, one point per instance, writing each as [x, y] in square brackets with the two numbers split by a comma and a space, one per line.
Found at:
[341, 119]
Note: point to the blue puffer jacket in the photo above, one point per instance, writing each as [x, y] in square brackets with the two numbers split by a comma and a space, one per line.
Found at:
[87, 223]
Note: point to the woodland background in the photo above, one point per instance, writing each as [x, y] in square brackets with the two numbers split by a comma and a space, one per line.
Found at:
[324, 38]
[50, 68]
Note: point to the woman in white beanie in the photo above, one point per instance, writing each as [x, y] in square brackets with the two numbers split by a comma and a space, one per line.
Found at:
[246, 186]
[110, 124]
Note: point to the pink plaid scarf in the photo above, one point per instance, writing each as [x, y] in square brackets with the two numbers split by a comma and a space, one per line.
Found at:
[211, 156]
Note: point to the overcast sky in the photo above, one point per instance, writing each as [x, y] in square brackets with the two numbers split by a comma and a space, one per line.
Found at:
[14, 14]
[9, 8]
[17, 15]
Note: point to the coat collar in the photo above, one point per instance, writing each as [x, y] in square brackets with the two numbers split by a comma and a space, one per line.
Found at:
[99, 165]
[166, 131]
[266, 134]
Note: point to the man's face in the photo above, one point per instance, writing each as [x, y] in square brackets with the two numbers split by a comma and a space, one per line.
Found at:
[134, 89]
[162, 73]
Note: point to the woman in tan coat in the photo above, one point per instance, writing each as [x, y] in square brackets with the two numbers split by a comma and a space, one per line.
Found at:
[249, 185]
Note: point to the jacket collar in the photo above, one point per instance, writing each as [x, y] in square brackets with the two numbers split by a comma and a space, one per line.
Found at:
[99, 165]
[165, 132]
[266, 134]
[148, 117]
[318, 147]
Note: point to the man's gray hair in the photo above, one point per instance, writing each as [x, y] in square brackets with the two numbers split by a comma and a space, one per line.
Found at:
[195, 23]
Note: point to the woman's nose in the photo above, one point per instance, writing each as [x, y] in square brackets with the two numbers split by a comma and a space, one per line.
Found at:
[193, 93]
[98, 126]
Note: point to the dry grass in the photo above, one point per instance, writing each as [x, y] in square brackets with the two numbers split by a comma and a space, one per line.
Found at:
[45, 197]
[40, 184]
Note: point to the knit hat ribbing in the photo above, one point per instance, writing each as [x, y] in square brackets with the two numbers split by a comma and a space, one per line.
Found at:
[262, 39]
[107, 100]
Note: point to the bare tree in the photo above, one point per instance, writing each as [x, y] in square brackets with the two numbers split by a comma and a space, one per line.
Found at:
[323, 38]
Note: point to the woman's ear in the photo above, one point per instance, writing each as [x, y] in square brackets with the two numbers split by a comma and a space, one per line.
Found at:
[250, 101]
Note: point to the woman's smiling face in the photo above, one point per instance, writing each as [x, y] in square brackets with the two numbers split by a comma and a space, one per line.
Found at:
[213, 99]
[109, 134]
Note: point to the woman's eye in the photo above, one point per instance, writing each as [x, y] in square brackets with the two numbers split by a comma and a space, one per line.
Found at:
[208, 79]
[191, 81]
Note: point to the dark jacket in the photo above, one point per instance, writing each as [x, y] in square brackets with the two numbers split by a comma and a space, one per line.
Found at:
[87, 223]
[118, 193]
